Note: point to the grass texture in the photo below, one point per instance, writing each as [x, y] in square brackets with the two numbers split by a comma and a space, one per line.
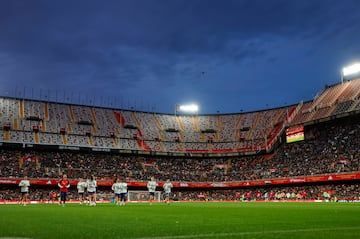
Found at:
[182, 220]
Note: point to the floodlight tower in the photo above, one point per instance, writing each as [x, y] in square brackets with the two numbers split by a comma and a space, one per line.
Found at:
[350, 70]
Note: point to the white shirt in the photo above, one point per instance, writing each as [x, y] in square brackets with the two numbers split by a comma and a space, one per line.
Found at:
[24, 184]
[123, 187]
[119, 188]
[116, 188]
[167, 187]
[151, 185]
[81, 187]
[91, 185]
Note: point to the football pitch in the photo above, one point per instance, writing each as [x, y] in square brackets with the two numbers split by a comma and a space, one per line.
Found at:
[182, 220]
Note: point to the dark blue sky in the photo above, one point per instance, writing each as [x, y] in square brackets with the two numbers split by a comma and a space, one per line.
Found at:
[149, 55]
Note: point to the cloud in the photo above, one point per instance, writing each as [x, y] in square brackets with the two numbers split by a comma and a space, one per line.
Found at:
[124, 47]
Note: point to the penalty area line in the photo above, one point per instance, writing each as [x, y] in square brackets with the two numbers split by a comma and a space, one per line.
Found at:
[230, 234]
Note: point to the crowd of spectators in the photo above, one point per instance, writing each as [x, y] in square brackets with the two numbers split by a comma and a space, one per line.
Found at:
[329, 148]
[331, 192]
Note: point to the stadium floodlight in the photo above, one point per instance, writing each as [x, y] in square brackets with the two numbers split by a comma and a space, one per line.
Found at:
[353, 69]
[350, 70]
[189, 108]
[192, 108]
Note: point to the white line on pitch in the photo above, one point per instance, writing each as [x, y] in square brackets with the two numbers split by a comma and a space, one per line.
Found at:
[217, 235]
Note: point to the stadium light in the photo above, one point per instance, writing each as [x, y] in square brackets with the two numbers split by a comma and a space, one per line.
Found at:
[189, 108]
[353, 69]
[350, 70]
[192, 108]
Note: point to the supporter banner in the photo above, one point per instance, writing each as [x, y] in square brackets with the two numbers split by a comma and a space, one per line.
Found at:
[220, 166]
[29, 159]
[343, 161]
[280, 181]
[272, 170]
[149, 164]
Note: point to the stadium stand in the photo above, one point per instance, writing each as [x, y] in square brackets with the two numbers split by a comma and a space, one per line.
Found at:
[221, 156]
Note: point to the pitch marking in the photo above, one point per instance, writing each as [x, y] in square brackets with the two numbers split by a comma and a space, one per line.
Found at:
[217, 235]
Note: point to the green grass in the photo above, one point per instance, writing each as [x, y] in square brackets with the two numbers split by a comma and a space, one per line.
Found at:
[182, 221]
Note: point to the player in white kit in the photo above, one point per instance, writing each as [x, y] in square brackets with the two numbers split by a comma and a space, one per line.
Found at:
[24, 188]
[167, 191]
[91, 190]
[81, 190]
[151, 185]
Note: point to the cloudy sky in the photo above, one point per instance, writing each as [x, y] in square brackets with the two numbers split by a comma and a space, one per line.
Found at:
[226, 56]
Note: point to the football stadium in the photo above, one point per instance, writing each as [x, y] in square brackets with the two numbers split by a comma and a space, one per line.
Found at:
[283, 172]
